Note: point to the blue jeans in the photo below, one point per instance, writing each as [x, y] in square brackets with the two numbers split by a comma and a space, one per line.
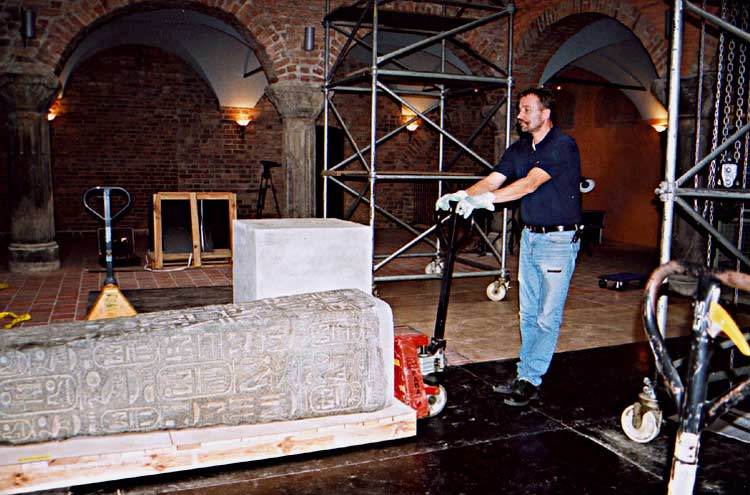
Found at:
[544, 270]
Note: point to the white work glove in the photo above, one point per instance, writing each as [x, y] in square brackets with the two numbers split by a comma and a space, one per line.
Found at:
[444, 202]
[470, 203]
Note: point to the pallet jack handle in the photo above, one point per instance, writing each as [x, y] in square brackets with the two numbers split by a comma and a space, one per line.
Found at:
[108, 218]
[448, 232]
[690, 397]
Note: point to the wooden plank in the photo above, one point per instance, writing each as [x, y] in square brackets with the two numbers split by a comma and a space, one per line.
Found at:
[158, 247]
[82, 460]
[232, 218]
[195, 230]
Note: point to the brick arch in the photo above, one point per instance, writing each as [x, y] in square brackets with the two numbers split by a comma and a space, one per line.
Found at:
[550, 28]
[273, 33]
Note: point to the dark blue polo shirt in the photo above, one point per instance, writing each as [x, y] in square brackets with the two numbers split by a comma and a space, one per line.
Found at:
[557, 201]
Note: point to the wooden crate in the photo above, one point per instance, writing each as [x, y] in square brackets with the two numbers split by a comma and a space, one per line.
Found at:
[199, 257]
[82, 460]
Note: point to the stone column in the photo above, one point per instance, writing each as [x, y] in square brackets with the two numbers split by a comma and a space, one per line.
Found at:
[299, 104]
[688, 241]
[27, 98]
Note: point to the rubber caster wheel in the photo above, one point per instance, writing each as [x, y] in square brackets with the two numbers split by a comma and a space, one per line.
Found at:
[434, 267]
[603, 284]
[437, 402]
[496, 291]
[649, 429]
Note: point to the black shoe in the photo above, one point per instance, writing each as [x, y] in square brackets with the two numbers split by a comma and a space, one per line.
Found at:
[523, 394]
[507, 388]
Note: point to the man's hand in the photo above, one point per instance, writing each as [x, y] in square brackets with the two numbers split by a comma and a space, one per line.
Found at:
[444, 202]
[470, 203]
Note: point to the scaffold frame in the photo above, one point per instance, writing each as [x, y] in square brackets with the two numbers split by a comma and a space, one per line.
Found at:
[673, 190]
[365, 17]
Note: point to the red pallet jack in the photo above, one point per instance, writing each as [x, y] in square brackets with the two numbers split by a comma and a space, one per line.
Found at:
[418, 358]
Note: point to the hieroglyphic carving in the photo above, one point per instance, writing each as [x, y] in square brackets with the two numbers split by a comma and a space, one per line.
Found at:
[275, 359]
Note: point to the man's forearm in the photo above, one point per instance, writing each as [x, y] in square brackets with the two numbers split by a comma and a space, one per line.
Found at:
[514, 191]
[488, 184]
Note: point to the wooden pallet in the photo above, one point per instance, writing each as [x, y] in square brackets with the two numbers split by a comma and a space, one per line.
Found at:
[199, 257]
[82, 460]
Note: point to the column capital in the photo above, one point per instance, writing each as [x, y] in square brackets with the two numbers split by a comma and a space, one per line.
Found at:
[296, 100]
[28, 92]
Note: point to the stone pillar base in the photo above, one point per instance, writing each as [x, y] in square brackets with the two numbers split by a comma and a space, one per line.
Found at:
[30, 258]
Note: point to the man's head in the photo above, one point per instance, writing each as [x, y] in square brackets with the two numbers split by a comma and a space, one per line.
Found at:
[535, 106]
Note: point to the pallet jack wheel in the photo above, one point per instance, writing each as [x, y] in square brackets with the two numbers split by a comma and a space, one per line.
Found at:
[496, 291]
[437, 402]
[648, 429]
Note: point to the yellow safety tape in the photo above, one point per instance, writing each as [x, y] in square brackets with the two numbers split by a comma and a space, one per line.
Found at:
[4, 286]
[35, 458]
[16, 318]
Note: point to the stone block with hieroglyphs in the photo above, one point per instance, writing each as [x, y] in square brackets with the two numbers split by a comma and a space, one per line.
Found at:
[286, 358]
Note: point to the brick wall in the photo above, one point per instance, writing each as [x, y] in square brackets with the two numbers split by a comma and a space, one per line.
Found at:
[141, 119]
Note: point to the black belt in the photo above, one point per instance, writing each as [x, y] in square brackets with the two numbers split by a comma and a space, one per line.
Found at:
[543, 229]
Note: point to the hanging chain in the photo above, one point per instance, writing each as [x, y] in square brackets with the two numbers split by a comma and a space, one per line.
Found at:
[740, 154]
[708, 206]
[740, 102]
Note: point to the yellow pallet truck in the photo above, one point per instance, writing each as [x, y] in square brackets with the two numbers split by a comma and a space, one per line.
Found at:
[111, 302]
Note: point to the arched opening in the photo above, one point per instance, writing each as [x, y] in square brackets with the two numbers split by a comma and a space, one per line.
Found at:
[605, 70]
[153, 101]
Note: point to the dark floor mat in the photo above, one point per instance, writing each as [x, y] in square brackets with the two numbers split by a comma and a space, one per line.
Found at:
[150, 300]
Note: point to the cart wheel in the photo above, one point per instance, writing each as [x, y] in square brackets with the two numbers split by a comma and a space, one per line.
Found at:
[437, 402]
[434, 267]
[648, 430]
[496, 291]
[602, 283]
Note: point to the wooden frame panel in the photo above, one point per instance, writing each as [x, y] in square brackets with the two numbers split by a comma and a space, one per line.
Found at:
[160, 258]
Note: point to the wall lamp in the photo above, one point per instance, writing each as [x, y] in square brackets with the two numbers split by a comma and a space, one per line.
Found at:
[244, 117]
[28, 25]
[659, 125]
[407, 116]
[309, 42]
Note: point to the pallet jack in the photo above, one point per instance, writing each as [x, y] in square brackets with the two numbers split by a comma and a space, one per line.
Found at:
[641, 421]
[111, 302]
[418, 358]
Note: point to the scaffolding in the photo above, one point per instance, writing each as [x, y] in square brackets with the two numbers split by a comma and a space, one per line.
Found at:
[716, 176]
[435, 26]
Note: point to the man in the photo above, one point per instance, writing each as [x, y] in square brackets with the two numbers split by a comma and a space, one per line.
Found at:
[542, 169]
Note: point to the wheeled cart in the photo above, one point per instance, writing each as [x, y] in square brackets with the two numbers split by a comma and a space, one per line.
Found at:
[382, 59]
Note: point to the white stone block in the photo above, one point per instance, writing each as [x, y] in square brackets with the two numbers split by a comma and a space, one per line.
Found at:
[282, 257]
